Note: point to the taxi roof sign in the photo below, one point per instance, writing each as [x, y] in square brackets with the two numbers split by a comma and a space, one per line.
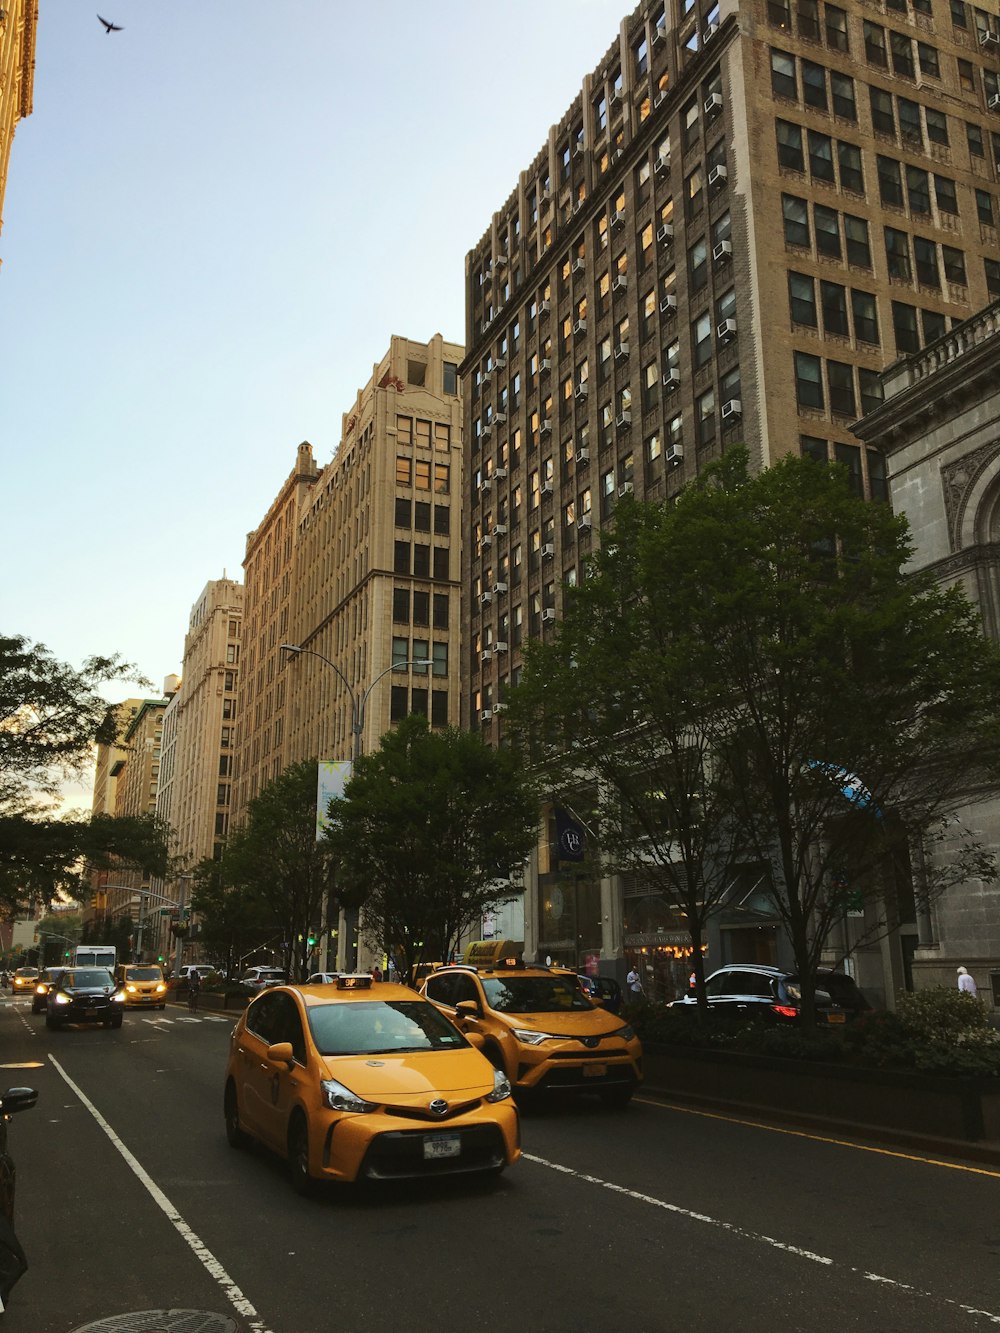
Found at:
[488, 953]
[354, 981]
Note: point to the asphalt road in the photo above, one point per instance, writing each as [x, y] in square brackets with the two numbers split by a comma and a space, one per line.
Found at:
[656, 1218]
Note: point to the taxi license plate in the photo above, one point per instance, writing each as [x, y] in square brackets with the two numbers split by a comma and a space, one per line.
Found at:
[441, 1145]
[595, 1071]
[836, 1018]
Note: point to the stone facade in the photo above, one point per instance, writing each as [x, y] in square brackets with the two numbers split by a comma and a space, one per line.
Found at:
[939, 428]
[18, 26]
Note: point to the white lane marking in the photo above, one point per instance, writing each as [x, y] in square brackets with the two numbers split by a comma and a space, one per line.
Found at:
[201, 1251]
[758, 1237]
[186, 1020]
[157, 1021]
[216, 1018]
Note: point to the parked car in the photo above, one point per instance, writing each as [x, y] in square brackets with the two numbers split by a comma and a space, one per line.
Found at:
[85, 995]
[772, 995]
[46, 980]
[365, 1080]
[537, 1025]
[260, 978]
[322, 978]
[604, 991]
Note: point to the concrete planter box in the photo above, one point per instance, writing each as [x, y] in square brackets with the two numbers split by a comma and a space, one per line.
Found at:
[916, 1105]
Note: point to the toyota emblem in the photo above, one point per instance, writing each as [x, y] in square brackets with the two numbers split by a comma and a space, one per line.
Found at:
[438, 1106]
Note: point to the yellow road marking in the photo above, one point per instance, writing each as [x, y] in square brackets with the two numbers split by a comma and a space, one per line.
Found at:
[822, 1138]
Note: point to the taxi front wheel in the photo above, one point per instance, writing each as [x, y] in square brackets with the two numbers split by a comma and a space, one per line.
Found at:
[298, 1156]
[234, 1134]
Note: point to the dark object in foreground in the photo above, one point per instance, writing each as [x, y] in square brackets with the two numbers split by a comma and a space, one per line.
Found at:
[13, 1263]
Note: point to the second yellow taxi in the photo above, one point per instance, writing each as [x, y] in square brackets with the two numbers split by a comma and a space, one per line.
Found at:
[365, 1080]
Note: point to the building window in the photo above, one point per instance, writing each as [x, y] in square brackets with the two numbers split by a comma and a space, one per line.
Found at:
[827, 224]
[897, 253]
[704, 418]
[842, 89]
[802, 299]
[954, 265]
[421, 560]
[944, 194]
[836, 28]
[814, 85]
[701, 340]
[890, 186]
[856, 236]
[790, 154]
[992, 267]
[808, 380]
[984, 207]
[401, 558]
[849, 161]
[864, 308]
[883, 114]
[796, 217]
[813, 448]
[840, 379]
[926, 262]
[401, 605]
[904, 323]
[783, 83]
[440, 610]
[850, 456]
[421, 608]
[918, 190]
[833, 298]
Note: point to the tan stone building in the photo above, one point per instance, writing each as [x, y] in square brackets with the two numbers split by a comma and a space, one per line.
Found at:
[110, 763]
[379, 561]
[939, 428]
[198, 748]
[270, 576]
[18, 26]
[747, 213]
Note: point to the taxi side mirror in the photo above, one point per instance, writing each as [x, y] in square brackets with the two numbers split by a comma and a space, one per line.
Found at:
[281, 1053]
[467, 1009]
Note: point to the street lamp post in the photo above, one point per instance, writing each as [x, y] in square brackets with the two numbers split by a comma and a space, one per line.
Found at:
[143, 895]
[358, 705]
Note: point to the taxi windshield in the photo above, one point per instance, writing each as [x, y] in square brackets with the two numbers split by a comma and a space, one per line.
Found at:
[143, 974]
[379, 1027]
[534, 995]
[91, 977]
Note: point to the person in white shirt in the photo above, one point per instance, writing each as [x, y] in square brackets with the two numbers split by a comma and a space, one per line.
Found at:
[966, 982]
[634, 984]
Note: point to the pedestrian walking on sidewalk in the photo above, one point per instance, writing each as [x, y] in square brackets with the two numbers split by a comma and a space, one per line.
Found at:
[966, 982]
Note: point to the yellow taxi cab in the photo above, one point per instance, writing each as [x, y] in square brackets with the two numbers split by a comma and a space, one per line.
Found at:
[143, 985]
[539, 1028]
[365, 1080]
[25, 979]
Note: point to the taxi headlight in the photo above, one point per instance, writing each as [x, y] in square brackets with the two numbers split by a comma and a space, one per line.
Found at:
[501, 1087]
[62, 999]
[160, 988]
[626, 1033]
[131, 989]
[532, 1038]
[119, 997]
[339, 1098]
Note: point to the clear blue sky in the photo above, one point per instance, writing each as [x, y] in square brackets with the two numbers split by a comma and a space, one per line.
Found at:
[214, 220]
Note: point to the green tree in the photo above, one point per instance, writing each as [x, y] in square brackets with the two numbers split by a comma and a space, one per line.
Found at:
[233, 920]
[430, 828]
[51, 715]
[781, 620]
[274, 858]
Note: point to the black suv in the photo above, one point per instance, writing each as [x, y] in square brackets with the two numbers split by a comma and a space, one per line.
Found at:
[771, 995]
[85, 995]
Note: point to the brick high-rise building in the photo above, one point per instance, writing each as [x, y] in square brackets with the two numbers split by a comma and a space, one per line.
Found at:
[750, 210]
[18, 26]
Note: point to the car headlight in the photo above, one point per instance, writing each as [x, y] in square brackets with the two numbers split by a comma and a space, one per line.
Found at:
[62, 999]
[501, 1087]
[131, 989]
[119, 997]
[41, 990]
[339, 1098]
[160, 988]
[532, 1038]
[626, 1033]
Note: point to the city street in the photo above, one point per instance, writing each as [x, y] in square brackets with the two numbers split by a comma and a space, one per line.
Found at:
[658, 1218]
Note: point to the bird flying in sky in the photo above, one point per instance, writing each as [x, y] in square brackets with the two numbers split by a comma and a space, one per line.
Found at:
[109, 28]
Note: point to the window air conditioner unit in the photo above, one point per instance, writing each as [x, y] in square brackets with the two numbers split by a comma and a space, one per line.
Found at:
[485, 599]
[500, 363]
[499, 530]
[486, 432]
[626, 488]
[500, 261]
[662, 164]
[675, 454]
[487, 275]
[548, 616]
[578, 266]
[578, 149]
[618, 152]
[500, 418]
[499, 472]
[546, 427]
[486, 715]
[614, 96]
[486, 484]
[990, 39]
[548, 550]
[499, 708]
[661, 96]
[722, 251]
[544, 366]
[665, 232]
[486, 541]
[618, 217]
[546, 488]
[671, 379]
[545, 193]
[713, 104]
[623, 419]
[717, 176]
[710, 31]
[621, 352]
[620, 284]
[499, 588]
[584, 524]
[544, 307]
[726, 330]
[659, 35]
[580, 327]
[500, 646]
[583, 456]
[994, 102]
[732, 409]
[669, 304]
[486, 655]
[486, 377]
[582, 389]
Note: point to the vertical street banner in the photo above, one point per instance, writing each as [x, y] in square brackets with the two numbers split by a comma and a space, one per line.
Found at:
[570, 837]
[332, 778]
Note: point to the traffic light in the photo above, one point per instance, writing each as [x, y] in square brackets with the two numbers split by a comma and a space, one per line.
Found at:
[311, 940]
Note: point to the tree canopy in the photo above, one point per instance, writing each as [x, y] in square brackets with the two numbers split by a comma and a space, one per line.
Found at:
[51, 716]
[736, 662]
[430, 828]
